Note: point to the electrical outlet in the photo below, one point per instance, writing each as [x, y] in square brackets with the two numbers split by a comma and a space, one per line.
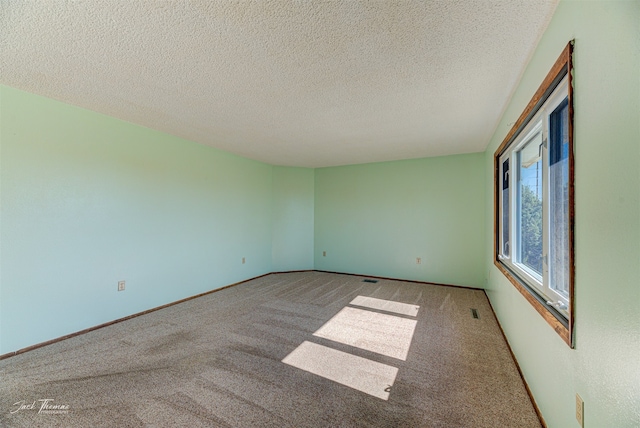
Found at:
[418, 261]
[243, 260]
[120, 285]
[580, 410]
[324, 254]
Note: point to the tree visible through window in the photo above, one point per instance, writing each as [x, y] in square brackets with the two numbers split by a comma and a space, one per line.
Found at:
[531, 229]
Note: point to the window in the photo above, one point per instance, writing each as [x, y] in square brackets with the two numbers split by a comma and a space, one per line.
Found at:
[534, 200]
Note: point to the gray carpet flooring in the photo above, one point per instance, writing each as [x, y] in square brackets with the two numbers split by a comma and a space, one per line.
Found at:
[217, 361]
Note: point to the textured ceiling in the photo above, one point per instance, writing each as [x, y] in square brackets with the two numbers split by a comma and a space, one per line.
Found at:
[305, 83]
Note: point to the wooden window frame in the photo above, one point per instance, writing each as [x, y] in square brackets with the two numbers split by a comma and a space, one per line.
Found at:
[563, 66]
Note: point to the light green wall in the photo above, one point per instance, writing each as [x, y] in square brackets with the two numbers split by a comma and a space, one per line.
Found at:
[376, 219]
[87, 200]
[293, 190]
[605, 366]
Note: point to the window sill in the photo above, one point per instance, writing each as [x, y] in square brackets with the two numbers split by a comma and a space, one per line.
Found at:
[559, 323]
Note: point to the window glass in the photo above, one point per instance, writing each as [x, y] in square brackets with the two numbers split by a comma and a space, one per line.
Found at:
[530, 203]
[505, 207]
[559, 199]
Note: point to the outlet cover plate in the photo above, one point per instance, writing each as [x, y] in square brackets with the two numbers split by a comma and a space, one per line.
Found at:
[580, 410]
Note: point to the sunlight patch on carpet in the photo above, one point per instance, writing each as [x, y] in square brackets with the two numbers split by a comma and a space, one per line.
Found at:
[355, 372]
[383, 334]
[386, 305]
[380, 333]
